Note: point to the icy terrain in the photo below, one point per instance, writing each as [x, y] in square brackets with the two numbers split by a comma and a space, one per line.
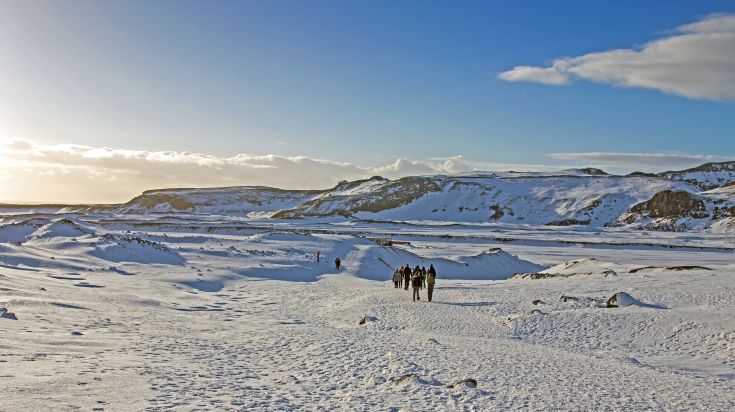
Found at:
[208, 312]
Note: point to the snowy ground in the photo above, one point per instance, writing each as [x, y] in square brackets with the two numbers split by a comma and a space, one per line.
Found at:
[199, 317]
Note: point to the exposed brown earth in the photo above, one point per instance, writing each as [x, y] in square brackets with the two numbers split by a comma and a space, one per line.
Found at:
[669, 204]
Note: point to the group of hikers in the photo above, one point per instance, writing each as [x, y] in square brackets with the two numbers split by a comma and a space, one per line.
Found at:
[418, 278]
[403, 277]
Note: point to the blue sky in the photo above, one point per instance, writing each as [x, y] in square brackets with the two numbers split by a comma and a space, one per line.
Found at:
[364, 83]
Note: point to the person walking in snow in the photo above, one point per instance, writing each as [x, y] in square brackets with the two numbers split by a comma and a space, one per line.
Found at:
[430, 280]
[406, 276]
[416, 283]
[318, 256]
[423, 277]
[417, 271]
[397, 275]
[337, 263]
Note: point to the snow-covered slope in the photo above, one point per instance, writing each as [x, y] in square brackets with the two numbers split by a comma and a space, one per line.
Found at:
[553, 200]
[240, 201]
[271, 255]
[706, 176]
[84, 326]
[681, 210]
[586, 196]
[574, 197]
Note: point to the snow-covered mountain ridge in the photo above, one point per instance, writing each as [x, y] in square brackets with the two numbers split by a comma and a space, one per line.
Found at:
[707, 176]
[588, 197]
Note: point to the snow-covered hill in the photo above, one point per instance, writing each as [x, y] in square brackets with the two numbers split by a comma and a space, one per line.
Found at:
[553, 200]
[242, 200]
[574, 197]
[707, 176]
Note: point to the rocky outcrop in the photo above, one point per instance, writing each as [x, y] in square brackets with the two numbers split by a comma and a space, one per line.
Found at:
[537, 312]
[372, 196]
[669, 204]
[593, 171]
[497, 212]
[620, 300]
[568, 222]
[642, 174]
[670, 268]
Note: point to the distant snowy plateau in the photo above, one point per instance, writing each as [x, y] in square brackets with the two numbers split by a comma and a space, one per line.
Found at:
[573, 290]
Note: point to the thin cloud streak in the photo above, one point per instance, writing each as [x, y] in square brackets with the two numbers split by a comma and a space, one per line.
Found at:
[639, 161]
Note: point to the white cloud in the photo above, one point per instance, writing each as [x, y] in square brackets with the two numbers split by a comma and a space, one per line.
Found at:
[403, 167]
[638, 161]
[548, 75]
[458, 164]
[76, 173]
[696, 61]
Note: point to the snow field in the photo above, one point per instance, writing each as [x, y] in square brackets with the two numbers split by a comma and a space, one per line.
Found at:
[219, 328]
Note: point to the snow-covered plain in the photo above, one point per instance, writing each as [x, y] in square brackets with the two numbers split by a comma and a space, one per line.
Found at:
[207, 312]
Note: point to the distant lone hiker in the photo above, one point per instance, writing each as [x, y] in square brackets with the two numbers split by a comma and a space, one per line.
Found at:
[318, 256]
[430, 279]
[337, 263]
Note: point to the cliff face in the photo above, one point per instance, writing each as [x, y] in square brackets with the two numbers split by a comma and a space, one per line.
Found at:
[672, 205]
[681, 210]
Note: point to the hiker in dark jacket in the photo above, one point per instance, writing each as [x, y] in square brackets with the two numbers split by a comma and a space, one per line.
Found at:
[416, 283]
[423, 277]
[430, 280]
[406, 276]
[337, 263]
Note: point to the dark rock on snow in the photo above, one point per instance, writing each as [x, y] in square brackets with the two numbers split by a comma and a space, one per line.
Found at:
[537, 312]
[5, 314]
[619, 300]
[403, 378]
[469, 382]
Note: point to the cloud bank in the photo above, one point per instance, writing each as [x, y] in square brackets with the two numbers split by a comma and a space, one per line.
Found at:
[72, 173]
[696, 61]
[647, 162]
